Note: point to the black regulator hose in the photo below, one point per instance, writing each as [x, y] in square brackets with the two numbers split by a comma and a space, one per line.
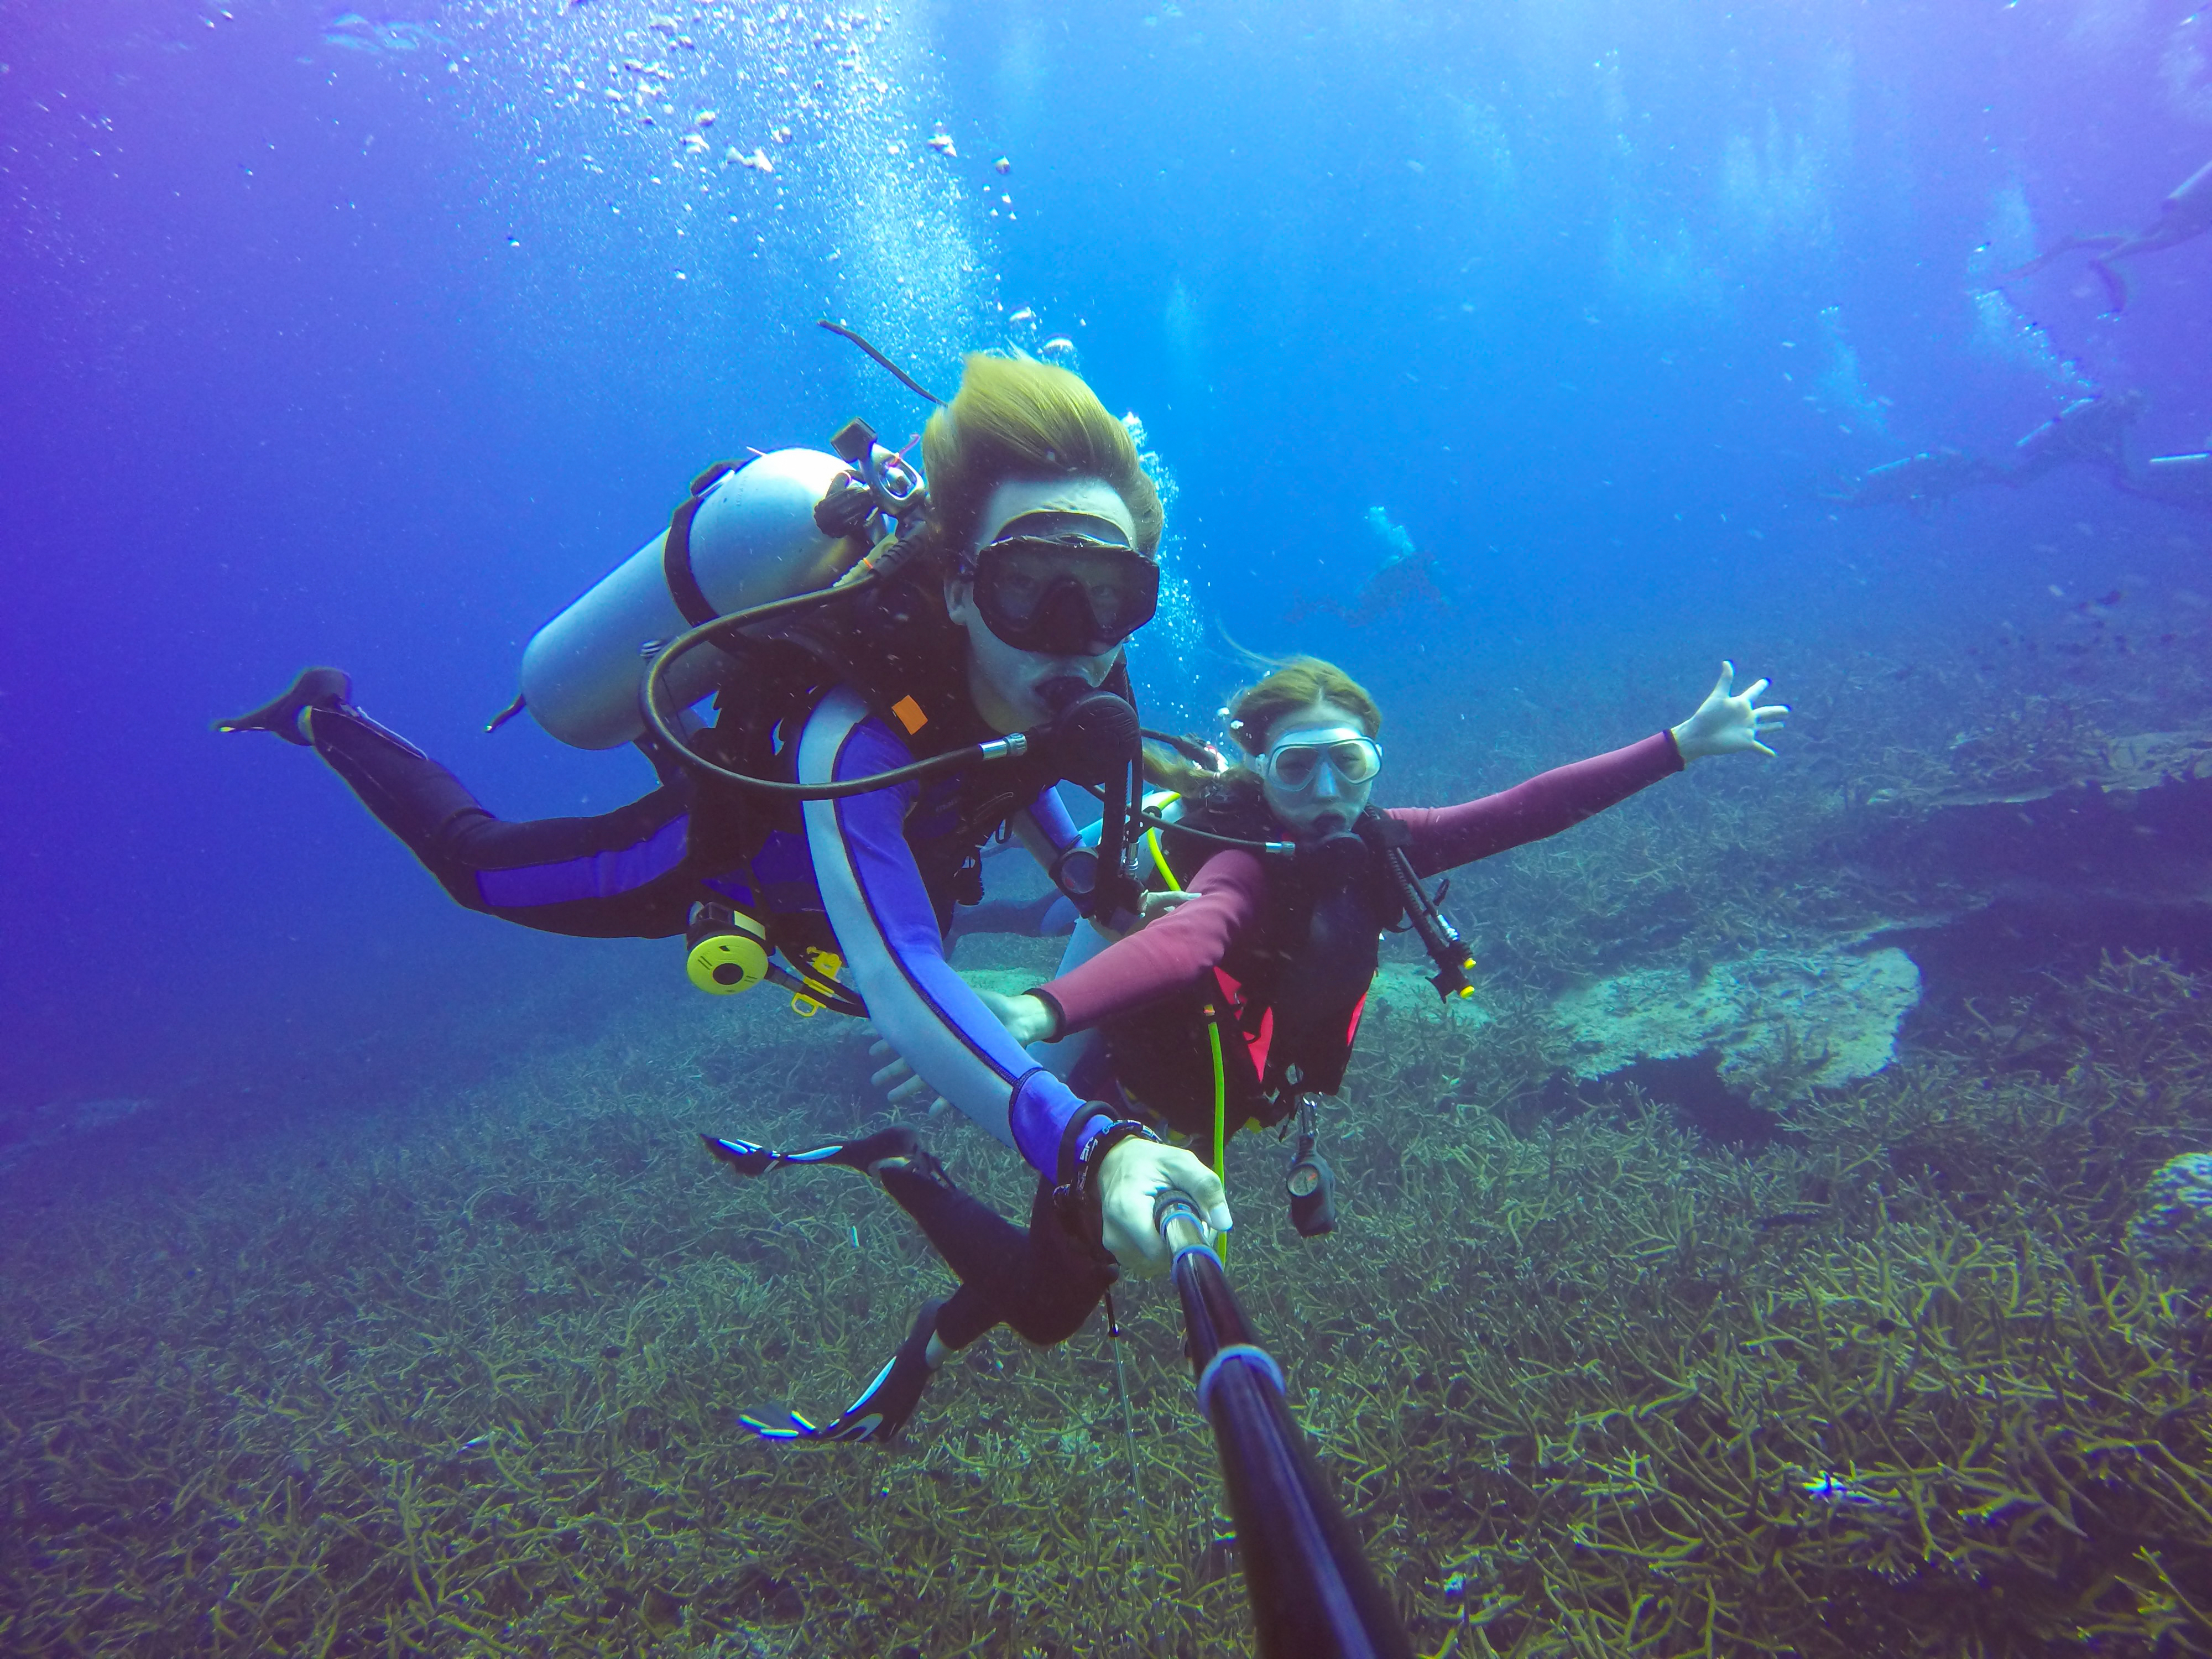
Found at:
[650, 697]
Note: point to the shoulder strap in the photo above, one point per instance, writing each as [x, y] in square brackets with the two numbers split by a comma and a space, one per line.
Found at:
[676, 546]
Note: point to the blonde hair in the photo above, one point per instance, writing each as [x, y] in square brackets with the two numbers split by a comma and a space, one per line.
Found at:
[1015, 417]
[1297, 683]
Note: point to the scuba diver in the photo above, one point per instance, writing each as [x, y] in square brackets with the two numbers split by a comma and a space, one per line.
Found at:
[1294, 876]
[1241, 1005]
[1919, 482]
[2091, 431]
[1407, 580]
[886, 704]
[2185, 214]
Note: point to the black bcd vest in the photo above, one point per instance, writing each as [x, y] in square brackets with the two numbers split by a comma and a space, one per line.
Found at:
[1287, 998]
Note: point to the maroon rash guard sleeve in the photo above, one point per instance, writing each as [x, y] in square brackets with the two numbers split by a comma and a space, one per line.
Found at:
[1445, 837]
[1165, 955]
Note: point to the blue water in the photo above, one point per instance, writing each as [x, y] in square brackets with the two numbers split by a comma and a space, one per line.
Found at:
[373, 338]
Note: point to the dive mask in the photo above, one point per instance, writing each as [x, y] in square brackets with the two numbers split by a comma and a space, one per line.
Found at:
[1292, 767]
[1064, 584]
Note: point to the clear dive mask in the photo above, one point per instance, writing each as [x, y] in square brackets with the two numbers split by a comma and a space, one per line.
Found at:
[1294, 765]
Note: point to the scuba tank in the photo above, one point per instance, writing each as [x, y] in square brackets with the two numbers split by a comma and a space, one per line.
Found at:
[747, 535]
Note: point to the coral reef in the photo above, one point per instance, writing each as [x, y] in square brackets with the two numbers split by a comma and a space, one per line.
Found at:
[461, 1381]
[1766, 1008]
[453, 1369]
[2174, 1228]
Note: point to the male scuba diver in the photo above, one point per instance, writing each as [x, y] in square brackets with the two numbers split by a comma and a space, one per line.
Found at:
[872, 738]
[1241, 1006]
[2185, 214]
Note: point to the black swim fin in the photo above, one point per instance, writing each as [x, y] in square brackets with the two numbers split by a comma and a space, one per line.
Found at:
[317, 687]
[883, 1406]
[747, 1157]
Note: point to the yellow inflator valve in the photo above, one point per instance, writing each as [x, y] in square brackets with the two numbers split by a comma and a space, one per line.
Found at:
[729, 950]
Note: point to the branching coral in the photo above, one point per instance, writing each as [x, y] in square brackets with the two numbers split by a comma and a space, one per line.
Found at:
[1587, 1384]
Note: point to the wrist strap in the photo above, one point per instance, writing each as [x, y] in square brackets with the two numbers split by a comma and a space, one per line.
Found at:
[1063, 1162]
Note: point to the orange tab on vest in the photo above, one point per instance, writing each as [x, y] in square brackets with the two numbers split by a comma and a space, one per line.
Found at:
[909, 715]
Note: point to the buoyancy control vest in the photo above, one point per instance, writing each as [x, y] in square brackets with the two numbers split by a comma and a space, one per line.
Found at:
[1286, 1001]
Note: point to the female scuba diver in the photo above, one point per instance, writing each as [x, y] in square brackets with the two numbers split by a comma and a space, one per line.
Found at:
[1242, 1003]
[1038, 546]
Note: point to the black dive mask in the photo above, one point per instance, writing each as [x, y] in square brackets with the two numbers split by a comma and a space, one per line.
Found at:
[1064, 584]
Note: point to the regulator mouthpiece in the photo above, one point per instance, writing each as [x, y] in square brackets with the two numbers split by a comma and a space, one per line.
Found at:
[1093, 736]
[1336, 858]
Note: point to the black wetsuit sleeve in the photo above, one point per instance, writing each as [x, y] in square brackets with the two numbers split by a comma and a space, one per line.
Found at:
[618, 875]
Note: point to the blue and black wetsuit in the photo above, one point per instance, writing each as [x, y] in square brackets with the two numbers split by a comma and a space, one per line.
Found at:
[877, 875]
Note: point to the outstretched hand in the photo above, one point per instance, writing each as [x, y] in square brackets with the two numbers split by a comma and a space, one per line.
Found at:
[1727, 724]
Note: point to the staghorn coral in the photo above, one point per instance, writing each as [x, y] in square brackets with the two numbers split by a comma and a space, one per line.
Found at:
[1587, 1385]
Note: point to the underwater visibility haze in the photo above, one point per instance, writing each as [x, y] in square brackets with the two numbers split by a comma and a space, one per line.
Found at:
[1799, 1241]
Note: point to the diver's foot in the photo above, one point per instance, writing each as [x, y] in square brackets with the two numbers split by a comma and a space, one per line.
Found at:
[883, 1406]
[319, 687]
[870, 1154]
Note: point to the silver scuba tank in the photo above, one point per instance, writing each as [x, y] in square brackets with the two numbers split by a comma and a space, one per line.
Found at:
[751, 538]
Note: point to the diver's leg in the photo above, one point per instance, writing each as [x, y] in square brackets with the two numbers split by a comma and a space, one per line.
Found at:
[1043, 1281]
[550, 873]
[992, 1257]
[427, 807]
[883, 1407]
[411, 795]
[2106, 244]
[975, 1239]
[1062, 1276]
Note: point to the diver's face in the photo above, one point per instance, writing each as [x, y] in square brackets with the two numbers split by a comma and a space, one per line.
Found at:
[1303, 769]
[1009, 685]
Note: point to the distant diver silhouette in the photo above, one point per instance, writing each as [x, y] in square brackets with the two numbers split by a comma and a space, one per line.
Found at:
[1920, 481]
[2090, 432]
[1404, 580]
[2185, 214]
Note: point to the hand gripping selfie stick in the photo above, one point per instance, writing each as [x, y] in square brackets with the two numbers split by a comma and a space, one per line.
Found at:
[1313, 1594]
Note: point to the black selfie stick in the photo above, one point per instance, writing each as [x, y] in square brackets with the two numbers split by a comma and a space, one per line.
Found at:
[1313, 1594]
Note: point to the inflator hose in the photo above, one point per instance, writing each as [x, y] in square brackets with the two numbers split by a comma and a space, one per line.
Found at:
[707, 632]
